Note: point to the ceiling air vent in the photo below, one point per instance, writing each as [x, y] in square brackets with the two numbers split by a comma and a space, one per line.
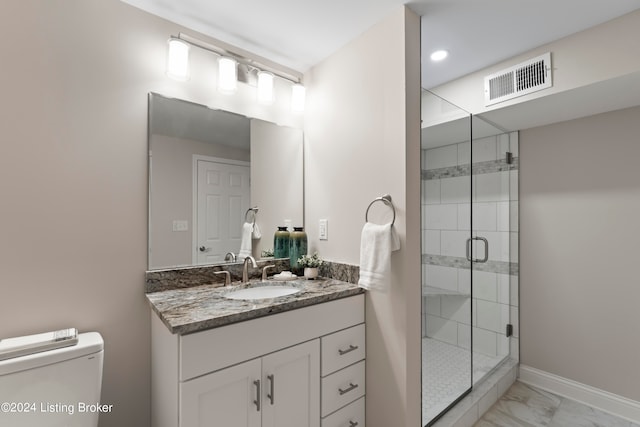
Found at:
[521, 79]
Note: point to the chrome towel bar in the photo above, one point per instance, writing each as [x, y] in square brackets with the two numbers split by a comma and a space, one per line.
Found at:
[386, 199]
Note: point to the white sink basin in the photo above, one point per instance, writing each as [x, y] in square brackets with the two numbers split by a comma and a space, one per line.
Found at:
[262, 292]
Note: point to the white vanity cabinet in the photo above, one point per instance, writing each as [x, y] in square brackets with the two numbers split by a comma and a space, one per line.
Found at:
[222, 398]
[276, 390]
[291, 386]
[273, 371]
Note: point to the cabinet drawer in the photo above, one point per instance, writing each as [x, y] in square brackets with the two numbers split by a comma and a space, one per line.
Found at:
[342, 349]
[351, 415]
[342, 388]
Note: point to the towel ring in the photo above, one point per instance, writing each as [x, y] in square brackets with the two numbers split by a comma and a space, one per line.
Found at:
[386, 199]
[255, 212]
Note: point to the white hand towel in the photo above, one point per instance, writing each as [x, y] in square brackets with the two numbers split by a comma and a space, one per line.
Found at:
[256, 231]
[245, 244]
[376, 244]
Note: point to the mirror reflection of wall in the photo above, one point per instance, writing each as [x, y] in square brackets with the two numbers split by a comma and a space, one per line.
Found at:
[207, 168]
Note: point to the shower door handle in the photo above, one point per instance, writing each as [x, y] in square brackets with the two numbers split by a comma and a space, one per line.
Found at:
[486, 249]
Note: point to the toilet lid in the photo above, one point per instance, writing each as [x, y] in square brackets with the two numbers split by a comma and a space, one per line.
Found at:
[88, 343]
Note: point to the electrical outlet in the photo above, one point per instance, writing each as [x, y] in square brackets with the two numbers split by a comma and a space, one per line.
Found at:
[323, 229]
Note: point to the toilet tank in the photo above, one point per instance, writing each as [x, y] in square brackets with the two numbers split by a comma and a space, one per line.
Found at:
[54, 388]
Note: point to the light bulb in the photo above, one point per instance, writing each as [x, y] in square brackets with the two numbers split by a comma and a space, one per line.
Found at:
[265, 87]
[439, 55]
[178, 60]
[227, 75]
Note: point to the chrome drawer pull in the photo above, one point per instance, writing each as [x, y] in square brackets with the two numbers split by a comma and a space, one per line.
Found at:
[352, 386]
[272, 394]
[257, 401]
[353, 423]
[349, 350]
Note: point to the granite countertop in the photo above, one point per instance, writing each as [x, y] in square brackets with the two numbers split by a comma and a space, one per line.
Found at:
[197, 308]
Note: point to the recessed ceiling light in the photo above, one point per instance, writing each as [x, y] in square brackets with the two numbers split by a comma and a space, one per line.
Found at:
[439, 55]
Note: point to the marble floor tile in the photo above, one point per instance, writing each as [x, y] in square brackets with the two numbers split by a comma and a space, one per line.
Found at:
[571, 413]
[525, 406]
[522, 406]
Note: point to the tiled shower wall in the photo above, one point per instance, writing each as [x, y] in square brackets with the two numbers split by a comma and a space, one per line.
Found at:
[446, 187]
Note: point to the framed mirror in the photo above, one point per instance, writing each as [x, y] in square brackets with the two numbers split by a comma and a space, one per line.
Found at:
[208, 169]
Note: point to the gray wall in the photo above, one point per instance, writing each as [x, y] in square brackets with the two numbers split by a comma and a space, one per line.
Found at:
[579, 286]
[73, 171]
[74, 184]
[362, 140]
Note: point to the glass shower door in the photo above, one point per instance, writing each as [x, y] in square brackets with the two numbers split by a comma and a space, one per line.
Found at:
[469, 251]
[492, 248]
[446, 274]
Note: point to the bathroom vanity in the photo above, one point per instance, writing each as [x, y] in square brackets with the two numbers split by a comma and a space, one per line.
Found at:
[296, 360]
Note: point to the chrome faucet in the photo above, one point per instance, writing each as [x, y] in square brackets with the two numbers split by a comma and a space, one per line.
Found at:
[227, 276]
[230, 256]
[264, 271]
[245, 268]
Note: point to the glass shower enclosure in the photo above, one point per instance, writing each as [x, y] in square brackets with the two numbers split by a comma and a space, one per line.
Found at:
[469, 251]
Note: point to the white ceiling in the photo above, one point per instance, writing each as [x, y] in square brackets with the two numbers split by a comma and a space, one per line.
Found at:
[481, 33]
[301, 33]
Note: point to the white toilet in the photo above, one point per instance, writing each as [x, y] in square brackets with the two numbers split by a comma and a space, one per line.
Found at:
[54, 388]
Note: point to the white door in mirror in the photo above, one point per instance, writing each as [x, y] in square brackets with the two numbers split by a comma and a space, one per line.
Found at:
[221, 199]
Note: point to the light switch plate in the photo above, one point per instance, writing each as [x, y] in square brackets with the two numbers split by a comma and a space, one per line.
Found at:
[323, 229]
[180, 225]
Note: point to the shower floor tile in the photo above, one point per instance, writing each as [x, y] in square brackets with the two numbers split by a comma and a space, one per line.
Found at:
[445, 374]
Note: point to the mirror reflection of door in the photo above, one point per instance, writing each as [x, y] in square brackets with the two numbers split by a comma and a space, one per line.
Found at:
[221, 197]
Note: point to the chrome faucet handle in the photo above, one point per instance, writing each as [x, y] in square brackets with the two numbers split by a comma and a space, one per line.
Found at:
[264, 271]
[227, 277]
[245, 267]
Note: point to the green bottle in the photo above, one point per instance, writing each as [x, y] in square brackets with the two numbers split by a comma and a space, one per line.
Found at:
[281, 243]
[297, 245]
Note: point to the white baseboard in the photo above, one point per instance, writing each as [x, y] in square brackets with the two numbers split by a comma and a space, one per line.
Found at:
[591, 396]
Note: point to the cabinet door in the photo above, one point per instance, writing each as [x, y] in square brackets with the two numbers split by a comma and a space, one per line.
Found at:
[227, 398]
[291, 387]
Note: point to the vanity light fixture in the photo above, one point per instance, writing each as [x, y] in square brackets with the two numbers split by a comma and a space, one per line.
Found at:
[265, 87]
[227, 74]
[298, 95]
[439, 55]
[178, 60]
